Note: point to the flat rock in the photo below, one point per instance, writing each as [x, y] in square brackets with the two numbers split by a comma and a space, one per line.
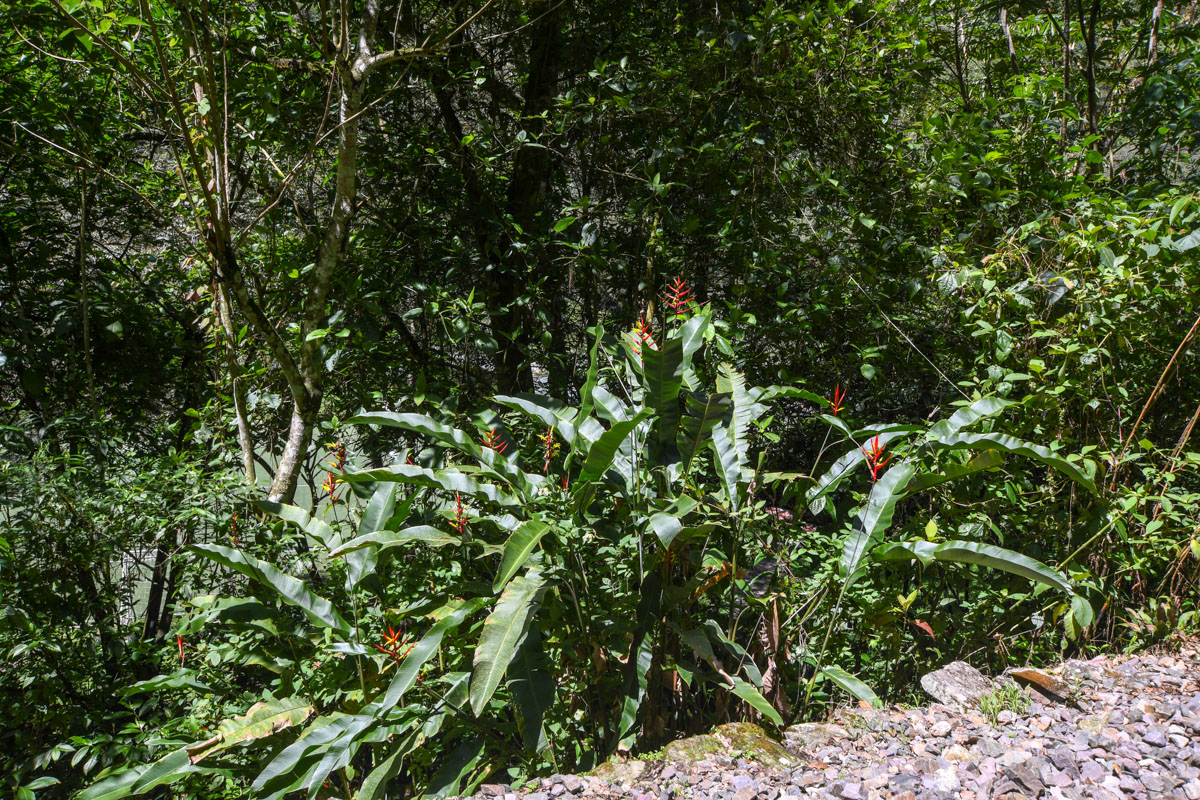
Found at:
[620, 772]
[744, 738]
[957, 685]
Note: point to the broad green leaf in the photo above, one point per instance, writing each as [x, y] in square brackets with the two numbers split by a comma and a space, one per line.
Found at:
[291, 590]
[502, 632]
[696, 426]
[1010, 444]
[663, 374]
[532, 687]
[182, 678]
[745, 411]
[317, 529]
[518, 549]
[419, 423]
[386, 540]
[600, 455]
[986, 555]
[851, 684]
[262, 720]
[967, 416]
[449, 480]
[608, 407]
[726, 463]
[874, 518]
[138, 780]
[983, 460]
[586, 400]
[548, 411]
[447, 780]
[845, 465]
[753, 696]
[361, 564]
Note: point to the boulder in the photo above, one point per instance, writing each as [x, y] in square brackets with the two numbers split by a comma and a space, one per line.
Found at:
[958, 685]
[620, 772]
[809, 735]
[742, 738]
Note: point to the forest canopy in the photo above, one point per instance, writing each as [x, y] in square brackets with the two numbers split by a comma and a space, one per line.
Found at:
[399, 395]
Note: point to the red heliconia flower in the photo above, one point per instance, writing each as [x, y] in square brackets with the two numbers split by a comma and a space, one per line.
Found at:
[835, 404]
[460, 514]
[678, 296]
[873, 460]
[331, 486]
[393, 641]
[492, 441]
[179, 641]
[550, 449]
[642, 334]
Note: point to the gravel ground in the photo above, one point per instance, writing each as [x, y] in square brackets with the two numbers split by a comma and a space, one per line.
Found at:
[1128, 727]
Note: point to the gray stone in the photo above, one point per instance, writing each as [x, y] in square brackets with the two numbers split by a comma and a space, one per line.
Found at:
[573, 783]
[740, 737]
[957, 685]
[493, 790]
[814, 734]
[620, 772]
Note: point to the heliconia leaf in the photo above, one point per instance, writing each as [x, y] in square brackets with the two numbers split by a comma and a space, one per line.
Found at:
[260, 721]
[545, 410]
[753, 696]
[586, 400]
[874, 518]
[774, 392]
[419, 423]
[449, 480]
[446, 781]
[518, 549]
[851, 684]
[968, 415]
[410, 668]
[1011, 444]
[639, 658]
[386, 540]
[375, 517]
[600, 455]
[319, 734]
[696, 427]
[168, 769]
[292, 591]
[317, 529]
[608, 407]
[745, 411]
[691, 335]
[532, 687]
[181, 678]
[987, 555]
[374, 786]
[983, 460]
[846, 465]
[726, 463]
[662, 370]
[668, 524]
[502, 632]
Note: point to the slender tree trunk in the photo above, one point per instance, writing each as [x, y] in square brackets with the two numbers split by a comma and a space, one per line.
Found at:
[960, 57]
[1152, 51]
[1066, 67]
[1012, 50]
[236, 386]
[84, 280]
[1088, 29]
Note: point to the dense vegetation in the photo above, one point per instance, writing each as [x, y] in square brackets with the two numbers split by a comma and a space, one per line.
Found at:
[398, 394]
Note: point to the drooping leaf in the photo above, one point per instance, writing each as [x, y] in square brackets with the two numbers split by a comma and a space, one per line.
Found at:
[846, 465]
[532, 688]
[419, 423]
[696, 426]
[726, 463]
[261, 720]
[875, 517]
[600, 455]
[410, 668]
[361, 564]
[986, 555]
[292, 591]
[449, 480]
[851, 684]
[386, 540]
[983, 460]
[545, 410]
[317, 529]
[753, 696]
[447, 780]
[967, 416]
[518, 549]
[1011, 444]
[181, 678]
[502, 632]
[663, 375]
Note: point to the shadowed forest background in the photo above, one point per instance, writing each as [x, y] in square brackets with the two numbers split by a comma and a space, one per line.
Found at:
[401, 394]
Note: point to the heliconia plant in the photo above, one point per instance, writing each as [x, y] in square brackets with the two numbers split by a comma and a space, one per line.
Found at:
[583, 590]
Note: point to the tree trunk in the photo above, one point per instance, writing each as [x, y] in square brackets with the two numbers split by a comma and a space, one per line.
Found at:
[1012, 50]
[236, 386]
[84, 280]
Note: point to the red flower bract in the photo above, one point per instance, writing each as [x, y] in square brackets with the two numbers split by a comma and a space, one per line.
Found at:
[873, 458]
